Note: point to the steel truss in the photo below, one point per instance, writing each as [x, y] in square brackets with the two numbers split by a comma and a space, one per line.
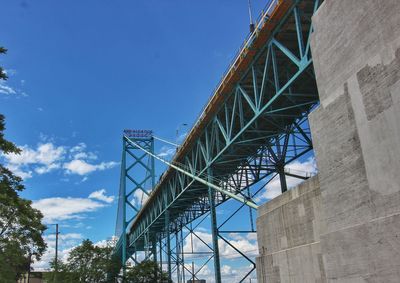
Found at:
[137, 177]
[260, 126]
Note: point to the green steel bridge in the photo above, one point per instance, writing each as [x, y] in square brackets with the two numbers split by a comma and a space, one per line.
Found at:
[251, 128]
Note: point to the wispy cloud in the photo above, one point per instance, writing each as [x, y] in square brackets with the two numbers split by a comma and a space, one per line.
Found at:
[5, 89]
[8, 88]
[57, 209]
[101, 195]
[166, 151]
[45, 158]
[66, 208]
[81, 167]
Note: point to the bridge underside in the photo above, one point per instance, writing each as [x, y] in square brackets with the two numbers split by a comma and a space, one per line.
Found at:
[249, 131]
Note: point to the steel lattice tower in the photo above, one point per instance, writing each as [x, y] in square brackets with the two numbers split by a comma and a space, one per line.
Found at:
[137, 181]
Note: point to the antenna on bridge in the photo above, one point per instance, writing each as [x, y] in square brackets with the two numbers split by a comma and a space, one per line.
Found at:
[251, 17]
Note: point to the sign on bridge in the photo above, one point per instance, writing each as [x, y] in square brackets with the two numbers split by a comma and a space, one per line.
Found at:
[138, 133]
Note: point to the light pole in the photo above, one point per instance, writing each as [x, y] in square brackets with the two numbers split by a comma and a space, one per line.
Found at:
[56, 254]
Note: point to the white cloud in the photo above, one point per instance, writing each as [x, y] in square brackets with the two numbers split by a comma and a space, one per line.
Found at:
[181, 137]
[246, 243]
[44, 154]
[24, 174]
[47, 169]
[79, 164]
[47, 157]
[273, 188]
[81, 167]
[167, 151]
[78, 148]
[100, 195]
[110, 242]
[227, 270]
[139, 198]
[58, 208]
[5, 89]
[66, 242]
[79, 152]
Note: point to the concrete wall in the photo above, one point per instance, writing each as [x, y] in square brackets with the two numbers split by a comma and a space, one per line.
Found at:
[352, 219]
[288, 230]
[356, 135]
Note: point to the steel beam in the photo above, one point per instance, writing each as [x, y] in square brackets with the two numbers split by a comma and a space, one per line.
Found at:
[214, 230]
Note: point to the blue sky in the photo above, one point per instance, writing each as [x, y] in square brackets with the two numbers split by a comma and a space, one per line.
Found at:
[82, 71]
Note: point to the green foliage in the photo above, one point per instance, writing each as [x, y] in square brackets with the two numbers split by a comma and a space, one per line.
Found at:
[146, 272]
[20, 225]
[86, 263]
[62, 276]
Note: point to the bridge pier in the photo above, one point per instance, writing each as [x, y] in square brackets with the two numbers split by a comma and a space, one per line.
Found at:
[356, 133]
[352, 215]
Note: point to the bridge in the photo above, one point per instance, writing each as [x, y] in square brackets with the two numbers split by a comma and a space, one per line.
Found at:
[254, 124]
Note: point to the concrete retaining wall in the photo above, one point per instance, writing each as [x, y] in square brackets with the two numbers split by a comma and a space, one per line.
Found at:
[356, 136]
[288, 236]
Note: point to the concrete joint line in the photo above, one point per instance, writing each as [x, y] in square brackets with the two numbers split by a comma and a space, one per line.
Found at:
[370, 221]
[285, 250]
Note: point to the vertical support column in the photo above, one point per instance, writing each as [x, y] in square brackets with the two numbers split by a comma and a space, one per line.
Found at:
[124, 223]
[182, 256]
[214, 229]
[168, 244]
[154, 249]
[154, 252]
[177, 250]
[153, 170]
[281, 171]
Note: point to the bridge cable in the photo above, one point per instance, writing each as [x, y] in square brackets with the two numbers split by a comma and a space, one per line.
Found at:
[184, 166]
[163, 140]
[204, 182]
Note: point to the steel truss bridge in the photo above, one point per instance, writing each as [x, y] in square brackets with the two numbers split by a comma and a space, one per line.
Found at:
[251, 128]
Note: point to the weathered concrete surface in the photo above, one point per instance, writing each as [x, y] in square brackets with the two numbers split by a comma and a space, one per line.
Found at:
[356, 135]
[288, 236]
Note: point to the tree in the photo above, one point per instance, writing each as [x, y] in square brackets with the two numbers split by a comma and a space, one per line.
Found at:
[146, 272]
[3, 75]
[62, 276]
[88, 263]
[21, 228]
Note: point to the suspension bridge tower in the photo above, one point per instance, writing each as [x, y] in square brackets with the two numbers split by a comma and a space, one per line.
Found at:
[136, 182]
